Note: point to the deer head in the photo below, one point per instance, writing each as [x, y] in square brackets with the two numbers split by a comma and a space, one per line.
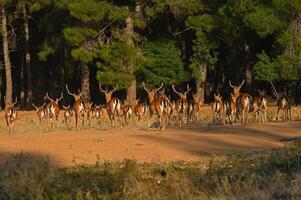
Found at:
[236, 89]
[182, 95]
[76, 97]
[217, 97]
[152, 93]
[13, 103]
[108, 93]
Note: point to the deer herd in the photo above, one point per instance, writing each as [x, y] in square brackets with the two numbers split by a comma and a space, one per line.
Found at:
[159, 110]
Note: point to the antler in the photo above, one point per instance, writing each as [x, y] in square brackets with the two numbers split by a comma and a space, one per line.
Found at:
[159, 87]
[145, 88]
[116, 87]
[16, 101]
[66, 107]
[188, 89]
[104, 91]
[231, 85]
[58, 99]
[173, 88]
[243, 81]
[72, 94]
[47, 96]
[35, 106]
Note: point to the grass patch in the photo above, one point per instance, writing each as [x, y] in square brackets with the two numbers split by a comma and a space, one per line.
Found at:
[274, 174]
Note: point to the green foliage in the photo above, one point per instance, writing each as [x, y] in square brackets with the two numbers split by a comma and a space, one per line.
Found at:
[76, 35]
[163, 63]
[45, 51]
[265, 69]
[264, 21]
[80, 54]
[117, 62]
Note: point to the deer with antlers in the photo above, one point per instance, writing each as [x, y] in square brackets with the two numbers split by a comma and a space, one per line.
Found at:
[217, 108]
[260, 106]
[68, 114]
[41, 112]
[113, 105]
[78, 108]
[181, 105]
[53, 109]
[239, 103]
[11, 114]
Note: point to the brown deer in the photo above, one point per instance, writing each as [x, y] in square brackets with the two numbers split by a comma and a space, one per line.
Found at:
[151, 97]
[218, 109]
[41, 112]
[53, 109]
[113, 105]
[127, 110]
[284, 106]
[68, 114]
[194, 109]
[260, 106]
[90, 112]
[11, 114]
[98, 114]
[163, 108]
[243, 102]
[78, 108]
[181, 105]
[140, 109]
[231, 105]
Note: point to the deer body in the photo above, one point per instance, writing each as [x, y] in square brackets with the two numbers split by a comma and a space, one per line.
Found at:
[11, 115]
[284, 107]
[181, 105]
[53, 109]
[78, 108]
[41, 112]
[217, 109]
[68, 114]
[260, 106]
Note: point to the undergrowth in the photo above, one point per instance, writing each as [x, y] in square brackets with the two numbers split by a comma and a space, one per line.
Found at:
[273, 174]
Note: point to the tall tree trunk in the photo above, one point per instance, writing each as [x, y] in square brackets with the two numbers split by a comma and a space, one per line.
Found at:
[29, 94]
[8, 75]
[85, 84]
[201, 82]
[129, 31]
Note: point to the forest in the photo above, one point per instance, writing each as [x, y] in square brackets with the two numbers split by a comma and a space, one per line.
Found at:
[47, 44]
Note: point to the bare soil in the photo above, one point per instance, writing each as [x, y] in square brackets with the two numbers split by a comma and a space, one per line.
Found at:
[66, 147]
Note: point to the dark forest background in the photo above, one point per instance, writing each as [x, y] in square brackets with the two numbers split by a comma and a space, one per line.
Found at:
[49, 43]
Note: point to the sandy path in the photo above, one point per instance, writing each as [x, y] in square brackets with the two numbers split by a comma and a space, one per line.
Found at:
[66, 147]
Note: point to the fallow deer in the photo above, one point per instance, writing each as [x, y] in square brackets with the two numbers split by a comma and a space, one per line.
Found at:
[163, 108]
[243, 102]
[90, 112]
[181, 105]
[68, 114]
[217, 109]
[284, 106]
[195, 108]
[127, 111]
[78, 108]
[41, 112]
[98, 114]
[11, 114]
[260, 106]
[151, 97]
[140, 110]
[53, 109]
[113, 105]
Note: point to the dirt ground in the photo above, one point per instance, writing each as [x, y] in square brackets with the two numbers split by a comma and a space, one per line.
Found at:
[65, 147]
